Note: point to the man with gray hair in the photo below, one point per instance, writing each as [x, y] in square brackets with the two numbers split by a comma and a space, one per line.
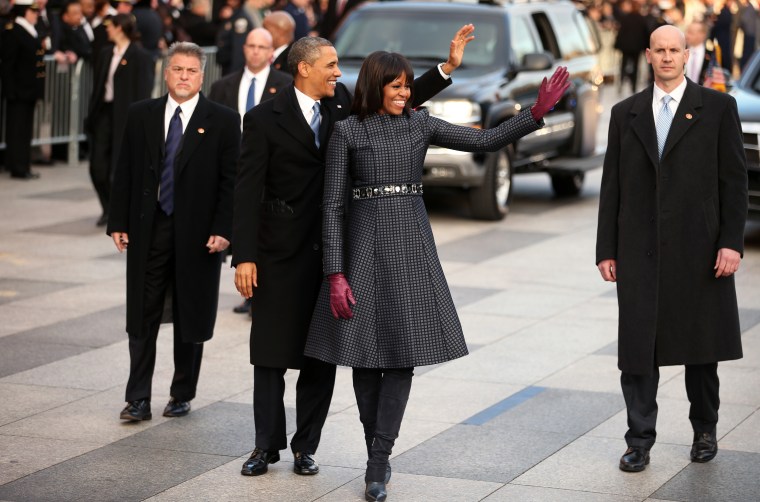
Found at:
[277, 231]
[171, 209]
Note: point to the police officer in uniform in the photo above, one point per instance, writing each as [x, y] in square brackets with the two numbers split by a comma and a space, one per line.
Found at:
[23, 77]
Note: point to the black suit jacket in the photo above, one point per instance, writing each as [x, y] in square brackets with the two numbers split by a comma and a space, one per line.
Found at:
[225, 90]
[132, 82]
[203, 182]
[278, 217]
[281, 61]
[21, 65]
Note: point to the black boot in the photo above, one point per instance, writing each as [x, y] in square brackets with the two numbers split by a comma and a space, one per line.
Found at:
[393, 396]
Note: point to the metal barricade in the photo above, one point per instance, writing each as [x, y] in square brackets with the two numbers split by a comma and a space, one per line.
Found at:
[59, 116]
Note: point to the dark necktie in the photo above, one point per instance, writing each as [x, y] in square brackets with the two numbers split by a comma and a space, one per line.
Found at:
[173, 139]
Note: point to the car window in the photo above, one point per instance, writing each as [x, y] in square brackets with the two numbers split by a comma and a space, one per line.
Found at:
[422, 36]
[575, 40]
[546, 33]
[522, 38]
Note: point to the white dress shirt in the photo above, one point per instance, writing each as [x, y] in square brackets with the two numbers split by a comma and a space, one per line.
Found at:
[245, 83]
[115, 60]
[696, 60]
[676, 94]
[306, 104]
[188, 107]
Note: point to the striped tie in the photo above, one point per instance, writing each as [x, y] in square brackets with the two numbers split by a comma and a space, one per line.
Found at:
[173, 139]
[664, 119]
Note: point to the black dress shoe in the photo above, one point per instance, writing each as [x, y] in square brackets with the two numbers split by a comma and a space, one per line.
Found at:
[257, 464]
[175, 408]
[102, 221]
[375, 491]
[25, 176]
[304, 463]
[243, 308]
[136, 411]
[635, 459]
[705, 447]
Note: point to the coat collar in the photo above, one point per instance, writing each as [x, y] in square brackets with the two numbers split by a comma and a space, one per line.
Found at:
[195, 132]
[685, 116]
[290, 118]
[193, 137]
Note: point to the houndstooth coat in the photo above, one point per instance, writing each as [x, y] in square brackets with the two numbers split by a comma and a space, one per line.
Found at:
[404, 315]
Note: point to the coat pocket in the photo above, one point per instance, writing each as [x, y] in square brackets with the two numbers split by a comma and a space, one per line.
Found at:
[711, 218]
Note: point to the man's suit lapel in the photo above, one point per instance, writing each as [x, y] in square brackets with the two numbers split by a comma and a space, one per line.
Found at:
[642, 124]
[686, 116]
[194, 132]
[290, 118]
[154, 134]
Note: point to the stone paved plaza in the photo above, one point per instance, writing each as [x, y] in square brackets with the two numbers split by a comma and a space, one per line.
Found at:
[534, 413]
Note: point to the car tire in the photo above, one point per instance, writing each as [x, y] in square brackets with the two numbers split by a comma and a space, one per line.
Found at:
[568, 184]
[490, 201]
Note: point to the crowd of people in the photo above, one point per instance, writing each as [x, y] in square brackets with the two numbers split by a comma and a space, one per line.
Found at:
[319, 192]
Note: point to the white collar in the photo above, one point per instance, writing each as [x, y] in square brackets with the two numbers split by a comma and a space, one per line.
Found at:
[305, 103]
[676, 94]
[21, 21]
[188, 107]
[261, 76]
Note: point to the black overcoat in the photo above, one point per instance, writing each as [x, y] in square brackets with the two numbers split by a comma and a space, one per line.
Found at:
[21, 65]
[132, 82]
[203, 185]
[278, 217]
[664, 221]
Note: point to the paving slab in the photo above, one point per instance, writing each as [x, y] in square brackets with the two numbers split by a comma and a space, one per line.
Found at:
[416, 488]
[111, 473]
[225, 483]
[591, 464]
[28, 400]
[488, 244]
[482, 453]
[21, 456]
[511, 493]
[733, 476]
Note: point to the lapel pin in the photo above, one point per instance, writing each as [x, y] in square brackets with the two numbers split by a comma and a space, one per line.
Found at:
[272, 90]
[201, 130]
[123, 62]
[340, 106]
[688, 116]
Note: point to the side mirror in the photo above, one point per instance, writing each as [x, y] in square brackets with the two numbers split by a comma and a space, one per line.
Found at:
[537, 61]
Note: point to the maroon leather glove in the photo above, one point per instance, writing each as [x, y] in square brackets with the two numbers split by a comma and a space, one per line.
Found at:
[550, 93]
[340, 295]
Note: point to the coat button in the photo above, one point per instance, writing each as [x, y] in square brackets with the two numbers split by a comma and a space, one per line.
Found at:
[315, 247]
[650, 252]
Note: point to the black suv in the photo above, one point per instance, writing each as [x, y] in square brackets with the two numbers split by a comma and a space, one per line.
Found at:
[516, 46]
[747, 94]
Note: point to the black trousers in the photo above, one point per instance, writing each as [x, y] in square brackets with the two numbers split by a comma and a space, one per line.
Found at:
[381, 396]
[18, 136]
[314, 391]
[142, 347]
[629, 69]
[640, 394]
[101, 154]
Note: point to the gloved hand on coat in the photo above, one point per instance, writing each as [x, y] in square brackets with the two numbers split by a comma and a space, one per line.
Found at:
[340, 295]
[550, 93]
